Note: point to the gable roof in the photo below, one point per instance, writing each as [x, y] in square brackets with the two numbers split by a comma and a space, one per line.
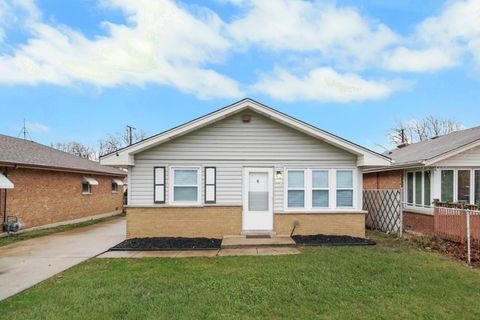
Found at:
[436, 149]
[20, 152]
[125, 156]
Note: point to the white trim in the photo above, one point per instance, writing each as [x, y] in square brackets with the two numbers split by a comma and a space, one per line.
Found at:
[5, 183]
[452, 153]
[90, 181]
[118, 182]
[171, 201]
[245, 189]
[332, 195]
[125, 157]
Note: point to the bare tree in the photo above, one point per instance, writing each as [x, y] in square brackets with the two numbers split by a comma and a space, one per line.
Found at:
[114, 142]
[76, 148]
[417, 130]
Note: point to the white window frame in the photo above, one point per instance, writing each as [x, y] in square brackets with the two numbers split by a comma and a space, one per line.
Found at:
[414, 204]
[320, 189]
[116, 187]
[345, 189]
[89, 188]
[455, 181]
[332, 187]
[304, 189]
[171, 197]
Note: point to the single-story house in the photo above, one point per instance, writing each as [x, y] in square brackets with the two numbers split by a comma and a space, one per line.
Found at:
[43, 186]
[446, 168]
[244, 169]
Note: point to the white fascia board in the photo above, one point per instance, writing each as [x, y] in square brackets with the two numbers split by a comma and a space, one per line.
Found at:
[125, 157]
[452, 153]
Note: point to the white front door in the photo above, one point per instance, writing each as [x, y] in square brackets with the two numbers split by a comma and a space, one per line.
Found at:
[258, 199]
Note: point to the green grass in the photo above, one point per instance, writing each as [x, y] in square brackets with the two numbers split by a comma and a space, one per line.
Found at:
[45, 232]
[392, 280]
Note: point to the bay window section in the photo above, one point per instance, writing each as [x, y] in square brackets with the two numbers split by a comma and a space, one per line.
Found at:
[477, 187]
[463, 186]
[427, 189]
[296, 189]
[418, 189]
[344, 188]
[320, 189]
[447, 185]
[410, 188]
[185, 185]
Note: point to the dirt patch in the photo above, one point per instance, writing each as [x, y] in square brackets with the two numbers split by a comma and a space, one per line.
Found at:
[167, 243]
[447, 248]
[326, 240]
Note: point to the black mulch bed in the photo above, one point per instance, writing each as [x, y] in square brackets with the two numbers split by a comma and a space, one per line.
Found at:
[324, 240]
[167, 243]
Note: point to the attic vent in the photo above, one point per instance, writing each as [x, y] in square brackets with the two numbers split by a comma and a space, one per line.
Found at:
[433, 138]
[246, 118]
[402, 145]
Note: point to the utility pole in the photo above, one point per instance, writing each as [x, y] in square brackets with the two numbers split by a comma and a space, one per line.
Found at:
[130, 128]
[402, 133]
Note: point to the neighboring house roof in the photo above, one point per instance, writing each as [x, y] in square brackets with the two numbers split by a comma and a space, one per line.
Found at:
[125, 156]
[20, 152]
[436, 149]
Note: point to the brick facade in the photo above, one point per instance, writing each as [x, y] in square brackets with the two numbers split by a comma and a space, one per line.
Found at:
[418, 222]
[42, 197]
[383, 180]
[209, 222]
[342, 224]
[215, 222]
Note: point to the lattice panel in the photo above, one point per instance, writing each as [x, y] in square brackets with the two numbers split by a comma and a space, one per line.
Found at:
[384, 210]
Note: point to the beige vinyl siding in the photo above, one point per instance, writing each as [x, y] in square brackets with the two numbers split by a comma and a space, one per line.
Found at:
[469, 158]
[230, 145]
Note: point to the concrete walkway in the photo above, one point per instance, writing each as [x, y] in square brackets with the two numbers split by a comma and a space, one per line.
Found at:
[250, 251]
[25, 263]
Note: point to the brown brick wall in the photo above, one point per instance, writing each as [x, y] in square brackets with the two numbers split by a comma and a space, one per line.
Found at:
[418, 222]
[350, 224]
[215, 222]
[383, 180]
[210, 222]
[43, 197]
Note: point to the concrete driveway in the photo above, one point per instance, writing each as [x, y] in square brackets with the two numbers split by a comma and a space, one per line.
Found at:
[26, 263]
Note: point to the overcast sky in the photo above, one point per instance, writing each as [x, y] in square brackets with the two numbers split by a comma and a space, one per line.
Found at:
[80, 69]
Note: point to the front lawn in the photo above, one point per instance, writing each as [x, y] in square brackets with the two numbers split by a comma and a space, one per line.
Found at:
[392, 280]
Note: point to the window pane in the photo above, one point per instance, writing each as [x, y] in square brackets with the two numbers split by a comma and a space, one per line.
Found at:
[296, 199]
[344, 198]
[447, 185]
[185, 194]
[185, 177]
[427, 189]
[320, 198]
[320, 179]
[345, 179]
[410, 187]
[464, 185]
[295, 179]
[258, 201]
[418, 188]
[477, 187]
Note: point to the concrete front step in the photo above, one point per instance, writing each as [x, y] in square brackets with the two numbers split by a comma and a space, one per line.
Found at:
[232, 242]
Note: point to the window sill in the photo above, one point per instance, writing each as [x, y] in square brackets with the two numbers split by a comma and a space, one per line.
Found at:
[426, 211]
[86, 193]
[335, 211]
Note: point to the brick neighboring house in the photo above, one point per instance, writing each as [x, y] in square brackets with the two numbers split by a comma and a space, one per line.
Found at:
[43, 186]
[445, 168]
